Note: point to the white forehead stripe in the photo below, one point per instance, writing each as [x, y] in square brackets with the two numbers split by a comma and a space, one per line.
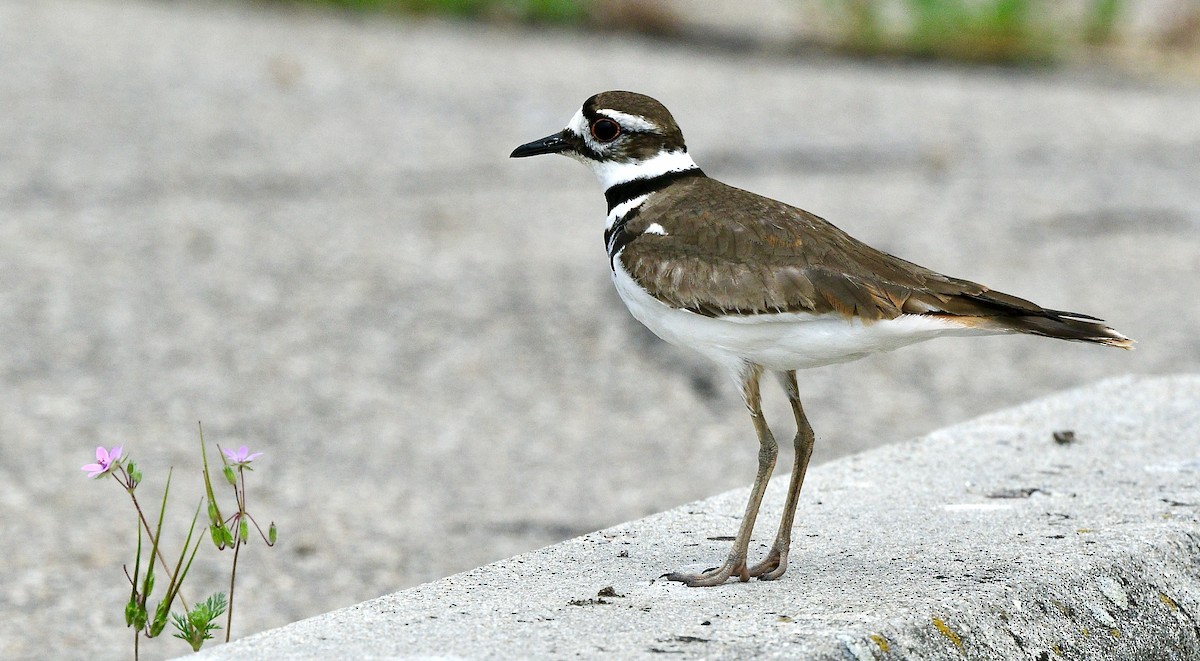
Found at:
[611, 173]
[655, 228]
[578, 125]
[631, 122]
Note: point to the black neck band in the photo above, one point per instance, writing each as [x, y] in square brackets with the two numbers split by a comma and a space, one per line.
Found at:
[636, 188]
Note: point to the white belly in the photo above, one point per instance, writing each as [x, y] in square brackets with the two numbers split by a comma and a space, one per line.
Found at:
[784, 341]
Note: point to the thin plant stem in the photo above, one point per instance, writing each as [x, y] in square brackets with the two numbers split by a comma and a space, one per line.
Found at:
[239, 494]
[232, 577]
[265, 538]
[146, 524]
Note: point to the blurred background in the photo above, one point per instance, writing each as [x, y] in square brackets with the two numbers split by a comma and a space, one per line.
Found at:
[1132, 35]
[297, 223]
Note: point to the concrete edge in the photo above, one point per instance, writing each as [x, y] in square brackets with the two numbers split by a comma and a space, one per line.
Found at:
[983, 540]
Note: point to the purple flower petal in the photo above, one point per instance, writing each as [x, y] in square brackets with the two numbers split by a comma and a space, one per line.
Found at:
[241, 456]
[106, 460]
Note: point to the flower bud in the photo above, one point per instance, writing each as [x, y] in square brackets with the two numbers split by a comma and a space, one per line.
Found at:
[271, 533]
[244, 530]
[230, 477]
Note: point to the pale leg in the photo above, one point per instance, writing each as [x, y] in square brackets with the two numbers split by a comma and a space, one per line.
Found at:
[776, 562]
[735, 564]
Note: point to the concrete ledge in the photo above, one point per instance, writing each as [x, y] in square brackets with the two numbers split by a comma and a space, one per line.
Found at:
[984, 540]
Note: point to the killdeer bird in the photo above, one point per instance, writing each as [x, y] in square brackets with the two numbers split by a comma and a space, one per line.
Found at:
[757, 285]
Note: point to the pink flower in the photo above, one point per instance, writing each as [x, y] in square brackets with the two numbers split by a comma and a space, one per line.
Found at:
[106, 460]
[240, 456]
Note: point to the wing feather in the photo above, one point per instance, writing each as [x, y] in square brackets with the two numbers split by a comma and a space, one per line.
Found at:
[726, 251]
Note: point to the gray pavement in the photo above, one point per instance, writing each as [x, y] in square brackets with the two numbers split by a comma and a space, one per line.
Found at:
[302, 228]
[985, 540]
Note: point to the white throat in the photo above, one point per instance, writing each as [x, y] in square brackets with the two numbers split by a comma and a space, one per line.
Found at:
[611, 173]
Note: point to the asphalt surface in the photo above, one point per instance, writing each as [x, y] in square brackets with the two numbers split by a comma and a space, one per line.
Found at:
[302, 229]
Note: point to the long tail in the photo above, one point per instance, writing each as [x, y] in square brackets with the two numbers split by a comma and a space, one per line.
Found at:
[1014, 314]
[1067, 326]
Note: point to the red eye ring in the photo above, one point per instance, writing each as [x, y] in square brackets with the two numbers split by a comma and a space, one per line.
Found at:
[605, 130]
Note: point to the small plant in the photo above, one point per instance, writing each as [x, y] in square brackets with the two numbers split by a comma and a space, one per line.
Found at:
[233, 532]
[196, 624]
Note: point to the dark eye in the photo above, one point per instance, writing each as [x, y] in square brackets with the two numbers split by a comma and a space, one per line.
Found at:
[605, 130]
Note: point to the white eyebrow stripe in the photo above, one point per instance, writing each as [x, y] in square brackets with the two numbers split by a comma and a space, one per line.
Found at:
[631, 122]
[655, 228]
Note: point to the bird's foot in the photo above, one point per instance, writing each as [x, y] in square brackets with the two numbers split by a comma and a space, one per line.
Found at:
[772, 567]
[714, 576]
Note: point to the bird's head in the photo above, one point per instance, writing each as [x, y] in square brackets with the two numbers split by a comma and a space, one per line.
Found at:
[621, 136]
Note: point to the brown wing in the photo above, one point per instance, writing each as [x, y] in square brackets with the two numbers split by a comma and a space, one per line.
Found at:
[728, 251]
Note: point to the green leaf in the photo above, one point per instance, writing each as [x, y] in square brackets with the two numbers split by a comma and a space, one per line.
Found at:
[186, 631]
[214, 606]
[135, 473]
[197, 625]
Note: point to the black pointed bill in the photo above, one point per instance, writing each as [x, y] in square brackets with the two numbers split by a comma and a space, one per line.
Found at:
[551, 144]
